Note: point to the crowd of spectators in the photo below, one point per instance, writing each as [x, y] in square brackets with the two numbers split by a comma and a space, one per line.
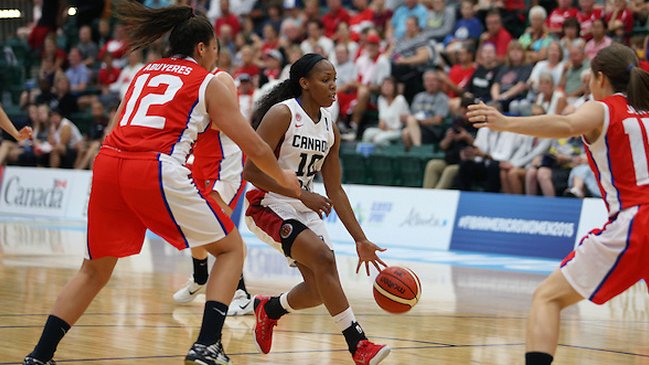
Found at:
[407, 69]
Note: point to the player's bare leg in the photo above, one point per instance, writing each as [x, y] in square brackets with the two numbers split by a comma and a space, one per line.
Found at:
[550, 298]
[220, 289]
[73, 300]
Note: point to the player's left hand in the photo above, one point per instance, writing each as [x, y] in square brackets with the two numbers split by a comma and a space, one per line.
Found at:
[24, 133]
[366, 251]
[482, 115]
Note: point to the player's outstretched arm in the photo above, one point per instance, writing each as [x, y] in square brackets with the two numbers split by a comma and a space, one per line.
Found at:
[331, 176]
[588, 120]
[9, 127]
[223, 109]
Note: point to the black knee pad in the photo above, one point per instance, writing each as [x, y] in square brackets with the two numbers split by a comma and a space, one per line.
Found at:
[289, 230]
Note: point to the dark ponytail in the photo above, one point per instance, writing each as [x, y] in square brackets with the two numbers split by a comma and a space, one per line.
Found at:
[287, 89]
[144, 26]
[620, 65]
[638, 89]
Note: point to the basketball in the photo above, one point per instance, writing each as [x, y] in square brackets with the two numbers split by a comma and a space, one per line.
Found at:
[397, 289]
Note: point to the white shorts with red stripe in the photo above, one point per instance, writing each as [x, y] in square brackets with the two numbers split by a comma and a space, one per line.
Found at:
[266, 221]
[610, 260]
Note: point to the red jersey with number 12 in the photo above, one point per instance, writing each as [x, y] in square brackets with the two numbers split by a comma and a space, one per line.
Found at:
[619, 156]
[164, 109]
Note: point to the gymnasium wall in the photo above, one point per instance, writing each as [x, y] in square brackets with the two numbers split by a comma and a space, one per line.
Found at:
[391, 216]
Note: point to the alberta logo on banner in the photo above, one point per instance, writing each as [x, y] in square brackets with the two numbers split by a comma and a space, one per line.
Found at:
[48, 192]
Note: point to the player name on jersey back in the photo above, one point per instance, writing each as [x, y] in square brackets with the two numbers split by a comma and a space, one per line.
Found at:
[165, 67]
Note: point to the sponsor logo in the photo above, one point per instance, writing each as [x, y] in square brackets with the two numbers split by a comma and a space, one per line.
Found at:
[416, 218]
[286, 230]
[18, 193]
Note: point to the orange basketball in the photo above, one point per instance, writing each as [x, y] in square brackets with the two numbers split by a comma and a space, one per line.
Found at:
[397, 289]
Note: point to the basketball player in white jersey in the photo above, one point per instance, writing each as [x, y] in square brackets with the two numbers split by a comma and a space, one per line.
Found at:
[293, 121]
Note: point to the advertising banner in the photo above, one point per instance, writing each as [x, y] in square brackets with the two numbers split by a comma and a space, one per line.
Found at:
[516, 225]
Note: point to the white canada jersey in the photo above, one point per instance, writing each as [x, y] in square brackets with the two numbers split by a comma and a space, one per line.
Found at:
[304, 148]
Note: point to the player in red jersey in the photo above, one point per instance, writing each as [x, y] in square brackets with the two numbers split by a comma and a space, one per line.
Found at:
[614, 131]
[293, 121]
[217, 169]
[140, 180]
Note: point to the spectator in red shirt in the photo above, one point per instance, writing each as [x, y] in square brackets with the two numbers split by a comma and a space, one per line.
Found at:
[271, 39]
[52, 53]
[460, 73]
[382, 15]
[247, 65]
[117, 46]
[363, 17]
[336, 15]
[108, 74]
[496, 34]
[586, 16]
[227, 17]
[559, 15]
[620, 17]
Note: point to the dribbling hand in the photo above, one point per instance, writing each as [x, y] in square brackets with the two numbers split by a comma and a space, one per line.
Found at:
[482, 115]
[366, 251]
[24, 133]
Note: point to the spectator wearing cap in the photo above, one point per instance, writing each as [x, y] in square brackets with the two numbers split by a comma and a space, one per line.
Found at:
[227, 17]
[315, 39]
[372, 68]
[409, 56]
[273, 60]
[587, 14]
[559, 15]
[409, 8]
[497, 35]
[599, 39]
[336, 15]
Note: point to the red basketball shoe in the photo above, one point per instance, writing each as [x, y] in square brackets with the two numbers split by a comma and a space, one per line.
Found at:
[368, 353]
[263, 331]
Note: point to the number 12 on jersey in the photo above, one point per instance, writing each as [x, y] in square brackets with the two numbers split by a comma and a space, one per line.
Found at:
[633, 129]
[140, 117]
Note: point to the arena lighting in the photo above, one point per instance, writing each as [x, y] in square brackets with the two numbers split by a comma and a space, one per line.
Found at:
[10, 14]
[72, 11]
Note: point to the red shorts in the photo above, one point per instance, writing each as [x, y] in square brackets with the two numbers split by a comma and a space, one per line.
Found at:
[135, 191]
[610, 260]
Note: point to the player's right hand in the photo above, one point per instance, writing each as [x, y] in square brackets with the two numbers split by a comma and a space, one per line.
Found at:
[291, 182]
[24, 133]
[317, 203]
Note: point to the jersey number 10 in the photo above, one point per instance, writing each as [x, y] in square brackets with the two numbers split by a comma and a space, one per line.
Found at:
[140, 117]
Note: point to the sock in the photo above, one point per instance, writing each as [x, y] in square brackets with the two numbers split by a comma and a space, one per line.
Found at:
[242, 286]
[275, 309]
[352, 331]
[200, 271]
[538, 358]
[213, 319]
[53, 332]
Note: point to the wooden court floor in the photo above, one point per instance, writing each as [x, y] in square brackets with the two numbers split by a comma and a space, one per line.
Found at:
[466, 316]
